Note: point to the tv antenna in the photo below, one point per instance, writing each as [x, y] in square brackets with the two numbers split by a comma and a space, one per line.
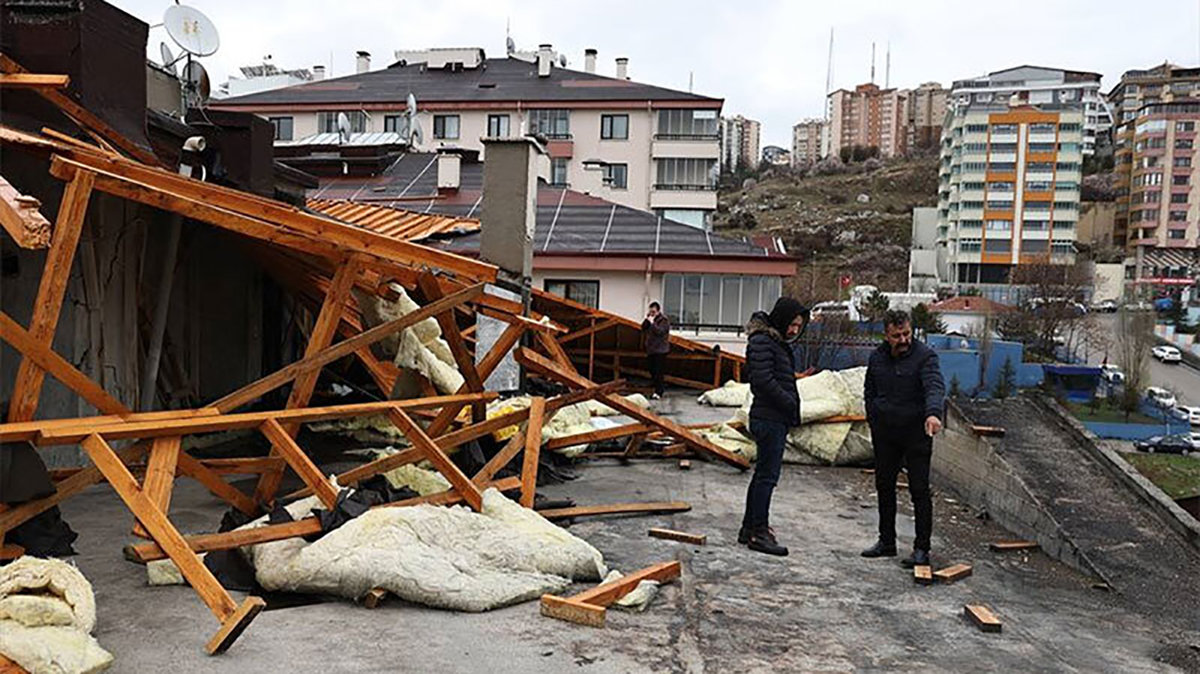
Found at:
[196, 84]
[196, 35]
[343, 128]
[415, 137]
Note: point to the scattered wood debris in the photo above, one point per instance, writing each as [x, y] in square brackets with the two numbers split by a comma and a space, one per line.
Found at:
[681, 536]
[988, 431]
[922, 575]
[685, 464]
[983, 617]
[374, 597]
[616, 509]
[589, 607]
[1006, 546]
[954, 573]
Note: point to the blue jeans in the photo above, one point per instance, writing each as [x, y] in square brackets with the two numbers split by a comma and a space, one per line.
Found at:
[770, 436]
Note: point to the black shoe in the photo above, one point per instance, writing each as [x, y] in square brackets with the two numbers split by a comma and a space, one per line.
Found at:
[880, 549]
[917, 558]
[743, 536]
[764, 541]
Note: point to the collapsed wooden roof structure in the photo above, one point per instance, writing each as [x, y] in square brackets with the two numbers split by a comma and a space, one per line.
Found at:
[323, 261]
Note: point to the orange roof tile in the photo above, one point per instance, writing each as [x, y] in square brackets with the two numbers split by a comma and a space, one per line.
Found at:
[394, 222]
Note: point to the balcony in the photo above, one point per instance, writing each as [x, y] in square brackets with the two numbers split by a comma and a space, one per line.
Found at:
[683, 146]
[675, 196]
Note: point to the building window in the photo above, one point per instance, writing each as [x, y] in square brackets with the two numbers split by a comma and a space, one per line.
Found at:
[558, 171]
[970, 245]
[1176, 233]
[392, 123]
[1043, 147]
[586, 293]
[1034, 225]
[1038, 186]
[497, 126]
[1064, 224]
[717, 300]
[1042, 127]
[1177, 216]
[1065, 205]
[687, 124]
[445, 127]
[1179, 180]
[1068, 127]
[685, 174]
[1037, 205]
[1183, 161]
[1034, 245]
[1004, 128]
[282, 126]
[1180, 198]
[553, 124]
[1000, 187]
[1066, 248]
[1002, 166]
[327, 121]
[999, 225]
[1183, 143]
[614, 127]
[998, 245]
[1039, 167]
[996, 204]
[1180, 126]
[617, 176]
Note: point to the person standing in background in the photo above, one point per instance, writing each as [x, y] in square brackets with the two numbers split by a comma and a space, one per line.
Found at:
[657, 330]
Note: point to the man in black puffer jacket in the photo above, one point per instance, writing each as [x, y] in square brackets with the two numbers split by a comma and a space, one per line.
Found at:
[904, 393]
[771, 372]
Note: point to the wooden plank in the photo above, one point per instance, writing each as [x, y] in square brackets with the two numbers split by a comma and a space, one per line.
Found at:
[28, 431]
[983, 617]
[9, 667]
[591, 329]
[160, 476]
[954, 573]
[56, 272]
[187, 425]
[681, 536]
[19, 215]
[922, 575]
[164, 533]
[1006, 546]
[607, 593]
[432, 292]
[33, 81]
[557, 353]
[434, 454]
[572, 611]
[45, 358]
[190, 467]
[684, 464]
[233, 626]
[295, 457]
[346, 347]
[533, 447]
[988, 431]
[502, 458]
[247, 466]
[9, 551]
[374, 597]
[595, 436]
[546, 368]
[616, 509]
[486, 366]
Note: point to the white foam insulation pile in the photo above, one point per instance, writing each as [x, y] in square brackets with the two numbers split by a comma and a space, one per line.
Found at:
[47, 614]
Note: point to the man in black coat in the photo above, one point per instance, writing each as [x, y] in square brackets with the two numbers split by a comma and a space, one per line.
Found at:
[776, 408]
[905, 394]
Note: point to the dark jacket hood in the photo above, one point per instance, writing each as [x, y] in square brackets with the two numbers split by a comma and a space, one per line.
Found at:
[760, 322]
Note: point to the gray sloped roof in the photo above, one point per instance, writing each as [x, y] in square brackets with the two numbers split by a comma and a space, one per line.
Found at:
[501, 79]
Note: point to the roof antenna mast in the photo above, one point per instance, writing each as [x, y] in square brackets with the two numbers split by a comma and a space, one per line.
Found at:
[872, 63]
[887, 68]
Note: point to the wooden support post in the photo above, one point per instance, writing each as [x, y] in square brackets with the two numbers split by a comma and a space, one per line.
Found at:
[717, 371]
[162, 302]
[533, 448]
[432, 291]
[160, 476]
[206, 476]
[295, 457]
[490, 362]
[591, 350]
[434, 454]
[56, 271]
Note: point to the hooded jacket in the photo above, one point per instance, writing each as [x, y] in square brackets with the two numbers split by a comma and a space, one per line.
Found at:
[901, 392]
[771, 371]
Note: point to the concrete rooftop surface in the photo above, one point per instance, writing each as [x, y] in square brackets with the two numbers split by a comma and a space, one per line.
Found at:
[821, 609]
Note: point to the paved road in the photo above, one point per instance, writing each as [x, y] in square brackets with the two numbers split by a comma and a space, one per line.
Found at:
[1178, 378]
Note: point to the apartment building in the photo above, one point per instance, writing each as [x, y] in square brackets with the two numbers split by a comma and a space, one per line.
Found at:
[1160, 213]
[740, 138]
[266, 76]
[807, 142]
[1137, 88]
[1009, 191]
[1040, 86]
[868, 117]
[926, 111]
[658, 148]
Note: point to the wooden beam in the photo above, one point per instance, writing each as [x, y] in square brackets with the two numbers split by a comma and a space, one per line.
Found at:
[28, 431]
[616, 509]
[588, 608]
[595, 436]
[160, 476]
[533, 447]
[193, 468]
[56, 271]
[982, 617]
[295, 457]
[594, 328]
[19, 215]
[1007, 546]
[233, 626]
[988, 431]
[432, 292]
[681, 536]
[33, 81]
[501, 459]
[323, 331]
[40, 353]
[546, 368]
[588, 615]
[922, 575]
[420, 441]
[954, 573]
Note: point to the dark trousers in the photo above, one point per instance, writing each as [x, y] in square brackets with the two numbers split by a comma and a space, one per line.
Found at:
[912, 449]
[770, 436]
[658, 362]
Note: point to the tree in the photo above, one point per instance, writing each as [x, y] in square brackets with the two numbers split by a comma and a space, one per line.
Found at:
[1051, 310]
[1135, 339]
[876, 306]
[928, 322]
[1007, 383]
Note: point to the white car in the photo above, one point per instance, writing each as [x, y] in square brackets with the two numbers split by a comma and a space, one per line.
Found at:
[1167, 354]
[1105, 306]
[1188, 413]
[1112, 374]
[1160, 397]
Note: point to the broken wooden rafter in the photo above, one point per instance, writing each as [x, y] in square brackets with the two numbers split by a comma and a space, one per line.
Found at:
[1008, 546]
[653, 507]
[982, 617]
[681, 536]
[19, 215]
[33, 81]
[589, 607]
[953, 573]
[533, 447]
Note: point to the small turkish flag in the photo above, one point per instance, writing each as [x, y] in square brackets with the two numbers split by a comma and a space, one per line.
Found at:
[844, 280]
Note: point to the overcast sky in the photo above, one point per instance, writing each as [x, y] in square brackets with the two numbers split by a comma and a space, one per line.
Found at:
[767, 59]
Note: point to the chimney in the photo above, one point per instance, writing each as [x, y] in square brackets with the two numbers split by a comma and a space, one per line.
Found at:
[545, 60]
[363, 62]
[318, 73]
[622, 68]
[589, 60]
[449, 169]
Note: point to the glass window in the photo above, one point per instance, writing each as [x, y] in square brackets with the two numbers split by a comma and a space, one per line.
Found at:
[731, 301]
[686, 124]
[617, 176]
[672, 296]
[586, 293]
[685, 174]
[1004, 128]
[282, 126]
[497, 126]
[710, 299]
[558, 171]
[1179, 126]
[691, 298]
[1064, 224]
[614, 127]
[1043, 127]
[327, 121]
[999, 245]
[554, 124]
[1034, 245]
[445, 127]
[1176, 233]
[394, 123]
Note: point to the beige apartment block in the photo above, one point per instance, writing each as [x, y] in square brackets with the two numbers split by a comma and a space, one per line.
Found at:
[868, 117]
[808, 139]
[927, 106]
[740, 139]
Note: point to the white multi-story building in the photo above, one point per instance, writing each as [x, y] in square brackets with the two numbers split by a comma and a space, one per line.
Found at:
[658, 148]
[740, 138]
[1038, 86]
[267, 76]
[808, 141]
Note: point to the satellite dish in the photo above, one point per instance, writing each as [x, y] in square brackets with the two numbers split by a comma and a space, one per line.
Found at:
[191, 30]
[510, 44]
[343, 126]
[562, 60]
[411, 105]
[415, 136]
[168, 59]
[196, 80]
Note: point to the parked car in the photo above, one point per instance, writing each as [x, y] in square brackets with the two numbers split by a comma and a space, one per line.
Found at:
[1138, 306]
[1188, 413]
[1160, 397]
[1167, 354]
[1112, 374]
[1105, 307]
[1169, 444]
